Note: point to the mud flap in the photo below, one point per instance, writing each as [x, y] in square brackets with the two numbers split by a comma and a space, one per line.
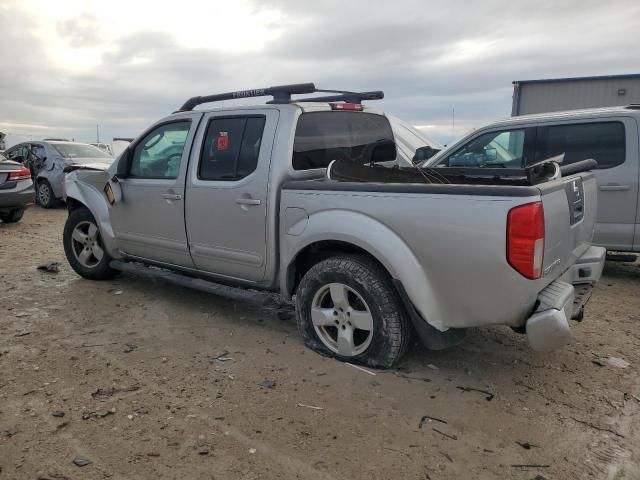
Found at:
[430, 337]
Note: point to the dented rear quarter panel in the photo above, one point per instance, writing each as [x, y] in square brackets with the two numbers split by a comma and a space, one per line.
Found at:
[448, 250]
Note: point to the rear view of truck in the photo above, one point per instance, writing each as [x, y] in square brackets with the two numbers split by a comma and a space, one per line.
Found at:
[462, 247]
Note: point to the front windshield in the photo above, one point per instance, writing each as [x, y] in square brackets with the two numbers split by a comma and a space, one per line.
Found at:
[80, 150]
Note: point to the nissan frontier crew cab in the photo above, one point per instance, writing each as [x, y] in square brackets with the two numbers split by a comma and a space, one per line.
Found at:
[304, 197]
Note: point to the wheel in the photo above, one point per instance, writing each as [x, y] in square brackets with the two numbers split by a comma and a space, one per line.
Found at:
[84, 248]
[347, 307]
[46, 197]
[12, 216]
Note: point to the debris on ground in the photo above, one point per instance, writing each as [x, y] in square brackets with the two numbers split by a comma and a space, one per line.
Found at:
[8, 433]
[360, 368]
[252, 451]
[129, 347]
[22, 334]
[489, 395]
[50, 267]
[527, 445]
[98, 414]
[429, 419]
[58, 413]
[266, 383]
[109, 392]
[617, 362]
[81, 462]
[313, 407]
[115, 291]
[221, 357]
[452, 437]
[432, 367]
[526, 466]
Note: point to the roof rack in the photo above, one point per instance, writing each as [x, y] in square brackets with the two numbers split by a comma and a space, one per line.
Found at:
[633, 106]
[282, 94]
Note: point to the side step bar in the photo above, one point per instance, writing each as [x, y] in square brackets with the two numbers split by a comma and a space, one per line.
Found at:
[189, 282]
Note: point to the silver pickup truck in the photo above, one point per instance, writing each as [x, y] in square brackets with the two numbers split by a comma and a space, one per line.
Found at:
[301, 197]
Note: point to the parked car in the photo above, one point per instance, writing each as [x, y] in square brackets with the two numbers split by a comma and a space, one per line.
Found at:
[119, 145]
[47, 159]
[275, 197]
[608, 135]
[105, 147]
[16, 190]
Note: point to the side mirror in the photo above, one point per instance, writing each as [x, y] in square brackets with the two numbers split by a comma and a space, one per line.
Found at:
[424, 153]
[124, 163]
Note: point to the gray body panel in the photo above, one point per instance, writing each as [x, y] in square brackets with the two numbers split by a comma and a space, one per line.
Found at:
[446, 244]
[618, 215]
[14, 194]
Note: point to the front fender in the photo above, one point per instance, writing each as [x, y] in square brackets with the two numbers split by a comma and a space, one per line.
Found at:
[86, 186]
[372, 236]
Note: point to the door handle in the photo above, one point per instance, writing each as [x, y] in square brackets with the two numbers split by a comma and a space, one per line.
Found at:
[614, 187]
[248, 201]
[172, 196]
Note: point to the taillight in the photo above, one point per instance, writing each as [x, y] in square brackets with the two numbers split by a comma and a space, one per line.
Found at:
[346, 106]
[525, 239]
[23, 174]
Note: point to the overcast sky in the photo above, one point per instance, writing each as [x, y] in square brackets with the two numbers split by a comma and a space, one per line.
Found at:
[68, 65]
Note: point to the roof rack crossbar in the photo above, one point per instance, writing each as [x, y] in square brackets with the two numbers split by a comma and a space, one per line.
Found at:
[282, 94]
[347, 97]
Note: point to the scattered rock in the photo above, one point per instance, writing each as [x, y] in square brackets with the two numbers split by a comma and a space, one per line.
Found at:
[81, 462]
[58, 413]
[266, 383]
[129, 347]
[50, 267]
[252, 451]
[617, 362]
[433, 367]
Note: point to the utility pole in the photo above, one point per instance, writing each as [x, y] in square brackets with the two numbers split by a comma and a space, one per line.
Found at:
[453, 124]
[97, 133]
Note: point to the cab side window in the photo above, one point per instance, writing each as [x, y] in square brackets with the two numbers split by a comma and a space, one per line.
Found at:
[502, 149]
[231, 148]
[159, 154]
[602, 141]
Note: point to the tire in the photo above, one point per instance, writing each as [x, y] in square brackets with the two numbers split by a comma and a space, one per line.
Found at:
[44, 193]
[13, 216]
[343, 293]
[84, 248]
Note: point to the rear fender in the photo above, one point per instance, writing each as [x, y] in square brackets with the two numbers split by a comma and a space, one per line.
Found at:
[374, 237]
[85, 186]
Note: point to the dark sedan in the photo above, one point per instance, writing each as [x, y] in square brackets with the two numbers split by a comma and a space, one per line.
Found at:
[16, 190]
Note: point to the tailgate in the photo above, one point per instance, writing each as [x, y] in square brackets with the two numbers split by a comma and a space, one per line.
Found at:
[570, 205]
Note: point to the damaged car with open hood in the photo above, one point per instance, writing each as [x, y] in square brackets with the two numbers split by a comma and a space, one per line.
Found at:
[303, 196]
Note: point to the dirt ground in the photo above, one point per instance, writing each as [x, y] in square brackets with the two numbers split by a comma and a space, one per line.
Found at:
[146, 380]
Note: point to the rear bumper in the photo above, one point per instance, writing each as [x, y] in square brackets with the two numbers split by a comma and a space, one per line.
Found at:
[17, 197]
[548, 327]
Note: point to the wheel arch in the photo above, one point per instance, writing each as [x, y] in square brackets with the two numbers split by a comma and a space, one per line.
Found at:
[85, 195]
[342, 231]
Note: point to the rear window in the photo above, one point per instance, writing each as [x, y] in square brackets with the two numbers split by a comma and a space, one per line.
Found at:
[79, 150]
[338, 135]
[602, 141]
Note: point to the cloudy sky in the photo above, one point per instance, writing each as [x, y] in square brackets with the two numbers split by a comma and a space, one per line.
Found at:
[71, 64]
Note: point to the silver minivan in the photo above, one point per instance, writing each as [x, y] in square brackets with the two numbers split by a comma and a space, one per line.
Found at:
[608, 135]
